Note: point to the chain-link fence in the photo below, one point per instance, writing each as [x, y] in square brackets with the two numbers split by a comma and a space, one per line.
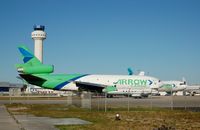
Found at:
[101, 102]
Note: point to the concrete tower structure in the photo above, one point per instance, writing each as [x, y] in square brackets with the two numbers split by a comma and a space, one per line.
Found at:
[38, 35]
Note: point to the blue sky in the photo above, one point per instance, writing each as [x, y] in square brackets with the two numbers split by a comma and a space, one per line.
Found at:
[161, 37]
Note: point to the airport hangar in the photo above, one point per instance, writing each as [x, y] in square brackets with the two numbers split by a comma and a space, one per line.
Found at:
[11, 89]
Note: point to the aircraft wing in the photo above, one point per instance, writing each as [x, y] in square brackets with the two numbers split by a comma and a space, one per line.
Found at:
[90, 86]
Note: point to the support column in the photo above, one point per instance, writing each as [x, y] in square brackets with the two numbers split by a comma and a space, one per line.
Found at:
[86, 100]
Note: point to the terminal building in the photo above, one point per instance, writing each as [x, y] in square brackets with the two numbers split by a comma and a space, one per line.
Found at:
[11, 89]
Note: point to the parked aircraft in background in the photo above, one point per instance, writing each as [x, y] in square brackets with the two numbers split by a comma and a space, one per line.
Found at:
[137, 92]
[132, 91]
[171, 87]
[193, 89]
[36, 73]
[165, 86]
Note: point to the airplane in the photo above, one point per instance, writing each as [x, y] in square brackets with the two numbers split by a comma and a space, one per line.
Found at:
[165, 86]
[36, 73]
[193, 89]
[171, 87]
[136, 92]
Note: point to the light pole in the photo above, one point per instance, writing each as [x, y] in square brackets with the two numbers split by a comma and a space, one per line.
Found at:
[128, 99]
[105, 102]
[172, 103]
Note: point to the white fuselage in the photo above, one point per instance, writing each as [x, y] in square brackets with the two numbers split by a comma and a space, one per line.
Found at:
[132, 81]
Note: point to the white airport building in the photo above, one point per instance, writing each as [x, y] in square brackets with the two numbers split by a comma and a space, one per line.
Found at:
[11, 89]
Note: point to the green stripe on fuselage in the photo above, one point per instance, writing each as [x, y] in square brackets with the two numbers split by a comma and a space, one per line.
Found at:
[53, 80]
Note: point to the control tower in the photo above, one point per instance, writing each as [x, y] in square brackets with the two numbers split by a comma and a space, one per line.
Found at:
[38, 35]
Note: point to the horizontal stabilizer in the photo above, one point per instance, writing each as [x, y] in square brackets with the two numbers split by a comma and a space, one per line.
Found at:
[32, 79]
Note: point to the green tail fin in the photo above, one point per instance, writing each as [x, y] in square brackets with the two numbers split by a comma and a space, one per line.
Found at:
[31, 64]
[28, 57]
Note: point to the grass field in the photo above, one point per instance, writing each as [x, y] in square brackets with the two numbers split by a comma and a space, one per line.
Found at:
[135, 119]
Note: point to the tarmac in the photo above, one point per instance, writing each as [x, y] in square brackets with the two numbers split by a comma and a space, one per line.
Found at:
[7, 122]
[157, 101]
[31, 122]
